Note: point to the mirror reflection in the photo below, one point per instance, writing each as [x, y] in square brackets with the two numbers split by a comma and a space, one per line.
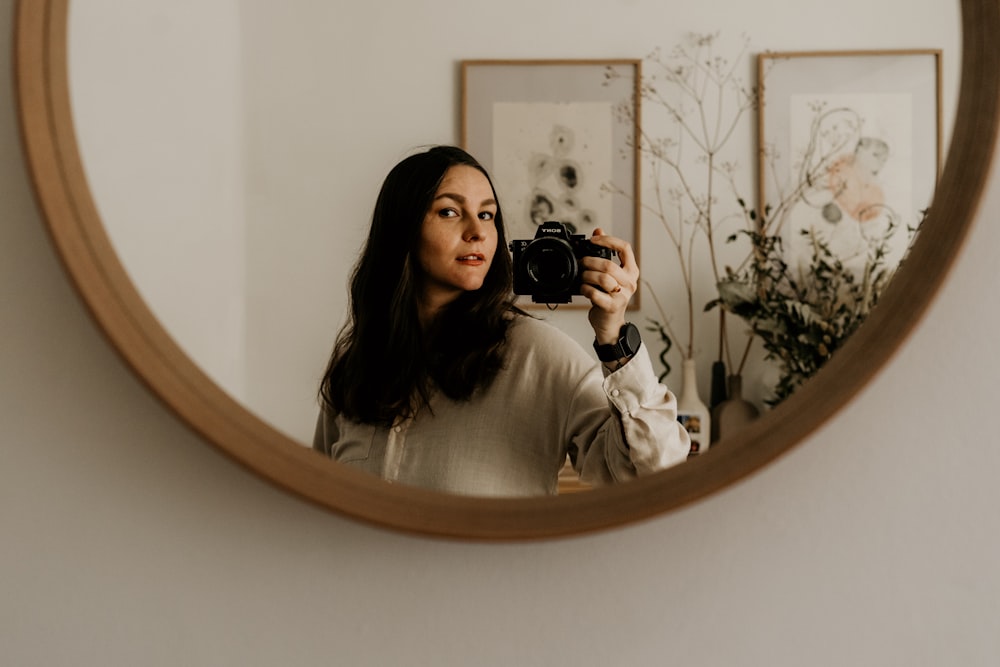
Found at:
[236, 154]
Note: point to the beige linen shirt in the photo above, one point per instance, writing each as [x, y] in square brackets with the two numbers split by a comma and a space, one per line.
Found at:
[552, 399]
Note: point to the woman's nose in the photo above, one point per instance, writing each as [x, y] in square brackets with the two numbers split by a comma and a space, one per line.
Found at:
[474, 231]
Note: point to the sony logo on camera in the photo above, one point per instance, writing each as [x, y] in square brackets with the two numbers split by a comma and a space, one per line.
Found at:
[551, 229]
[547, 267]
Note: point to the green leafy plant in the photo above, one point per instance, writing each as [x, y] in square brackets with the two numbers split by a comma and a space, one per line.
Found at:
[802, 310]
[803, 315]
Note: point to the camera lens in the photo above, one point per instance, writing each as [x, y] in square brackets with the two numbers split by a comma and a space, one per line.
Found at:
[550, 264]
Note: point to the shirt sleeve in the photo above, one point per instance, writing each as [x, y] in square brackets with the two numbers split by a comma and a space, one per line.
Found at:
[640, 436]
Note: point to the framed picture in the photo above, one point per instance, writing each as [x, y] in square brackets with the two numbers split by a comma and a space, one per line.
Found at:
[553, 134]
[850, 146]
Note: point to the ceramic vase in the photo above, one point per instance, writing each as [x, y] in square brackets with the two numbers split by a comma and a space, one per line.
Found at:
[692, 412]
[718, 392]
[733, 413]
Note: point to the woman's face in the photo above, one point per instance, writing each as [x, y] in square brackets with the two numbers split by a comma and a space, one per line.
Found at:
[458, 237]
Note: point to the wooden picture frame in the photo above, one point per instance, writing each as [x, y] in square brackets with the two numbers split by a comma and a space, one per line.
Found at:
[849, 143]
[553, 134]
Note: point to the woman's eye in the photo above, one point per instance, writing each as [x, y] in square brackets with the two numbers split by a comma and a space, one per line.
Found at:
[448, 213]
[486, 215]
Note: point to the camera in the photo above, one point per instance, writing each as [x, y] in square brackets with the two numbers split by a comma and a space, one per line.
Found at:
[547, 267]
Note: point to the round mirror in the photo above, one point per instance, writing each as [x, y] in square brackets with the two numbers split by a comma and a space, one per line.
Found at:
[95, 262]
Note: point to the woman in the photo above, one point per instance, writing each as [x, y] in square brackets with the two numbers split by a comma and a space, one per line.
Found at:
[438, 380]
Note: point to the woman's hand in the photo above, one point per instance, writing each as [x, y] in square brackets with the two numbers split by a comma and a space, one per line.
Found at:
[609, 286]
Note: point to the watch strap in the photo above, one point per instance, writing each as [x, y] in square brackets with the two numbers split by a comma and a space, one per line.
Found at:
[627, 345]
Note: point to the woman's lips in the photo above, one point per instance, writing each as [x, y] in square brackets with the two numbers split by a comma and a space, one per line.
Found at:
[474, 259]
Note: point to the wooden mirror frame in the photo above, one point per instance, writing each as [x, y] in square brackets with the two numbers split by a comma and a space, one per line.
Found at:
[81, 240]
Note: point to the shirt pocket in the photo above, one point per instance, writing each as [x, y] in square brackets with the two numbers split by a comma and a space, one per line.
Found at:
[355, 443]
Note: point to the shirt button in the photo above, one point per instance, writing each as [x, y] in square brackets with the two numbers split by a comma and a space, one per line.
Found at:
[616, 392]
[398, 429]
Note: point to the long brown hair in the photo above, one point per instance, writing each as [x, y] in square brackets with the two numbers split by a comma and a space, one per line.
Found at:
[384, 365]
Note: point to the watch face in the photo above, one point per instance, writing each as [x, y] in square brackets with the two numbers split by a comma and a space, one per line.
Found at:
[632, 338]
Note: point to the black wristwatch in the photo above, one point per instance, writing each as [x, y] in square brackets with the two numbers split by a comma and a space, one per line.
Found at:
[627, 345]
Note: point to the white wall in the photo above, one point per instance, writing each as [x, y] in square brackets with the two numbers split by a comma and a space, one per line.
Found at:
[335, 98]
[330, 100]
[157, 102]
[128, 541]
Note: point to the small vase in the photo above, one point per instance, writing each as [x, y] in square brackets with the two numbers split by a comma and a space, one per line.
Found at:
[733, 413]
[719, 392]
[692, 413]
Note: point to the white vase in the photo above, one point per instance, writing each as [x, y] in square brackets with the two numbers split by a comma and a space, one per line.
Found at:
[692, 411]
